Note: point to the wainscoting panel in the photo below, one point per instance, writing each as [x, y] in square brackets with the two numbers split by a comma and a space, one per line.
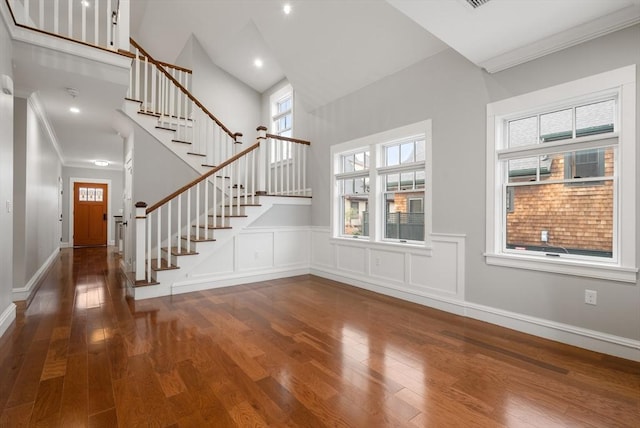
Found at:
[255, 250]
[291, 247]
[442, 273]
[387, 265]
[351, 258]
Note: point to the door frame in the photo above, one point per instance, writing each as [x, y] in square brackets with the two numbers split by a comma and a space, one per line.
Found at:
[72, 182]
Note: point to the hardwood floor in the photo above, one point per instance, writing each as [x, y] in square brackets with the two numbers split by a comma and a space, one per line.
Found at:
[301, 351]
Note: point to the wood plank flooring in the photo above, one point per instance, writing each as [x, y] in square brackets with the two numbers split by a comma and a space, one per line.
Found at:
[296, 352]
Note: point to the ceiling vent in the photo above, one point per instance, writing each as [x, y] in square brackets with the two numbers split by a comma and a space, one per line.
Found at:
[476, 3]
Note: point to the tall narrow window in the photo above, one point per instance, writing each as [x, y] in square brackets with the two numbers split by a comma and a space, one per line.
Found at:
[282, 122]
[353, 186]
[403, 179]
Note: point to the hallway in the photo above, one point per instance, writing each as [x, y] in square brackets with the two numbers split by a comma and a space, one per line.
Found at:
[300, 351]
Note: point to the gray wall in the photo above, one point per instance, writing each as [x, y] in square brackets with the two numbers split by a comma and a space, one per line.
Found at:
[157, 171]
[37, 167]
[234, 103]
[454, 93]
[115, 202]
[6, 175]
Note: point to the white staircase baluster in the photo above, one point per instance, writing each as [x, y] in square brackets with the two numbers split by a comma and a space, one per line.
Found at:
[70, 18]
[149, 252]
[159, 237]
[108, 26]
[206, 209]
[198, 211]
[140, 250]
[154, 90]
[169, 232]
[146, 84]
[84, 23]
[189, 218]
[214, 205]
[27, 11]
[56, 16]
[96, 22]
[246, 178]
[137, 61]
[179, 245]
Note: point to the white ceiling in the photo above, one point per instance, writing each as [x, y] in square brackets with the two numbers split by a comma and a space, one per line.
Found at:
[329, 48]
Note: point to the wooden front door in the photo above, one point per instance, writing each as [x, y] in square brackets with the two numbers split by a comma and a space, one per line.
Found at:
[89, 214]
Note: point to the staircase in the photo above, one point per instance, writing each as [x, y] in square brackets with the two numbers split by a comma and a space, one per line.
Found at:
[178, 238]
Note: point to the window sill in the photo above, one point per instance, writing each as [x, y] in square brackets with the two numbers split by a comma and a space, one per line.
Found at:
[365, 241]
[606, 271]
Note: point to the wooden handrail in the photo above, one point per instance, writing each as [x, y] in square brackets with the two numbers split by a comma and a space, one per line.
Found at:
[182, 88]
[293, 140]
[202, 178]
[59, 36]
[166, 64]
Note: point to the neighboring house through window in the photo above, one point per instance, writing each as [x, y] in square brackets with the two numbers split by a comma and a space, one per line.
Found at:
[560, 181]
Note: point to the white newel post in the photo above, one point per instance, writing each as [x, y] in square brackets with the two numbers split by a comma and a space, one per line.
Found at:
[261, 188]
[141, 240]
[122, 29]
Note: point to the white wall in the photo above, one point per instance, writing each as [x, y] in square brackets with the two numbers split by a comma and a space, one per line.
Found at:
[37, 167]
[115, 203]
[7, 309]
[453, 93]
[234, 103]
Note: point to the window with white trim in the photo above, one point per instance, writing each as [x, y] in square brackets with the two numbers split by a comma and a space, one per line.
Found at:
[282, 122]
[561, 193]
[381, 186]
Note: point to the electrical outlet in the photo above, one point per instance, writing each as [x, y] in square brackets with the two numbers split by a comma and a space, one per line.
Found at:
[591, 297]
[544, 235]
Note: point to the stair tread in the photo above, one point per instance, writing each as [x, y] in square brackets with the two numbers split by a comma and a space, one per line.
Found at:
[200, 239]
[196, 154]
[148, 113]
[131, 278]
[212, 227]
[165, 128]
[183, 251]
[164, 265]
[228, 216]
[242, 205]
[181, 141]
[132, 99]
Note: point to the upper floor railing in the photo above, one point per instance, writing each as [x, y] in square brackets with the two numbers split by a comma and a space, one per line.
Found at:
[99, 23]
[163, 91]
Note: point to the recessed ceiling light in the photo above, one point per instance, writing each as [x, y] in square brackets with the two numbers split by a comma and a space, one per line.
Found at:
[258, 63]
[101, 163]
[287, 9]
[74, 110]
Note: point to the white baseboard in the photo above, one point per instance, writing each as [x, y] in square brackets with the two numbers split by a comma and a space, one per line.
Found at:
[237, 279]
[571, 335]
[23, 293]
[65, 245]
[7, 317]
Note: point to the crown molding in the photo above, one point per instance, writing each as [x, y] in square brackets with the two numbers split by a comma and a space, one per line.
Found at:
[36, 104]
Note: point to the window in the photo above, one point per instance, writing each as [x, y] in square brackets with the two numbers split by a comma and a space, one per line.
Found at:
[354, 193]
[381, 186]
[403, 178]
[282, 122]
[556, 176]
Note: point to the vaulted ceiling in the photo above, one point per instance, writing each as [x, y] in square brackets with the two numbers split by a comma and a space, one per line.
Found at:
[329, 48]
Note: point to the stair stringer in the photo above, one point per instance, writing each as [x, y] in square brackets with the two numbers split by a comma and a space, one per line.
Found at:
[183, 280]
[149, 123]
